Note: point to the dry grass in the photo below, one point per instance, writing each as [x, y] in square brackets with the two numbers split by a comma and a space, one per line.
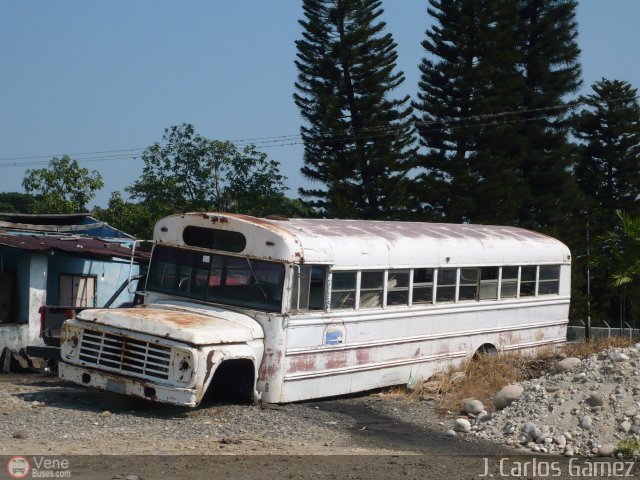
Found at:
[479, 378]
[584, 349]
[483, 376]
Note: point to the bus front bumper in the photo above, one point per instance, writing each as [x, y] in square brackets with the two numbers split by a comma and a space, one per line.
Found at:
[127, 386]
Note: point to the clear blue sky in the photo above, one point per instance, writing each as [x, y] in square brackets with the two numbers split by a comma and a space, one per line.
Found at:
[86, 76]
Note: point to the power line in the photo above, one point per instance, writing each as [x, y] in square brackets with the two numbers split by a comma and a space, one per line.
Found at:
[331, 136]
[46, 162]
[70, 154]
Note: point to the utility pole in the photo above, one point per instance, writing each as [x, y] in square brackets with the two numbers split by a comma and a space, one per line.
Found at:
[587, 327]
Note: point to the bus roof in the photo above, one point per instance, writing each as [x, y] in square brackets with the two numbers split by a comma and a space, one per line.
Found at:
[372, 243]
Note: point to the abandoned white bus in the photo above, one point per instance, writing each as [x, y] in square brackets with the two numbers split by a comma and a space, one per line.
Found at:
[290, 309]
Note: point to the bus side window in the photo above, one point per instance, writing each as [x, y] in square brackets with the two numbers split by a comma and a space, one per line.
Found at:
[398, 287]
[316, 287]
[446, 289]
[422, 285]
[549, 283]
[468, 284]
[488, 283]
[527, 281]
[371, 288]
[312, 284]
[509, 286]
[343, 290]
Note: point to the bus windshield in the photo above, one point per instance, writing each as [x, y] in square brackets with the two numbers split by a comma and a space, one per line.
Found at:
[214, 278]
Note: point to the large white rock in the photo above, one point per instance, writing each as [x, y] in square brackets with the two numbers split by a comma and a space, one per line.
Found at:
[560, 440]
[567, 364]
[619, 357]
[507, 395]
[462, 425]
[606, 450]
[585, 422]
[473, 406]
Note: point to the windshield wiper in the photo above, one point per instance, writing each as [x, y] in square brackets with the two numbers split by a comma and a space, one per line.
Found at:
[255, 278]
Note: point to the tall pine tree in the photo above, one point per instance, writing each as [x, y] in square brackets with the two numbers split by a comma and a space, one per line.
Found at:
[470, 75]
[607, 171]
[608, 165]
[358, 139]
[492, 111]
[551, 69]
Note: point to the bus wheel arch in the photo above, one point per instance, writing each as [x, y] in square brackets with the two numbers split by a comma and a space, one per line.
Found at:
[485, 349]
[233, 381]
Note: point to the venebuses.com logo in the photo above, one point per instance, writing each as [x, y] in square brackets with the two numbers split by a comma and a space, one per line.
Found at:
[38, 467]
[18, 467]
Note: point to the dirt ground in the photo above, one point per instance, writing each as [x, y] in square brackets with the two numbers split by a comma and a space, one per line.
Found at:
[103, 436]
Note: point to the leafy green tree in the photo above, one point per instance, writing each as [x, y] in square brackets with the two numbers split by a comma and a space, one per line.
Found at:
[358, 139]
[618, 260]
[62, 187]
[15, 202]
[133, 218]
[189, 172]
[620, 251]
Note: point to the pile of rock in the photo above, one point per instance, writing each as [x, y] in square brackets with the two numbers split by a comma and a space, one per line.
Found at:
[585, 407]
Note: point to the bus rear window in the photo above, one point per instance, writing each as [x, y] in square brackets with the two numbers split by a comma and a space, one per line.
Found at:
[214, 238]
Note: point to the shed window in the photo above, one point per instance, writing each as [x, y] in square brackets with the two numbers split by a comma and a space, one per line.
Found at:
[343, 290]
[77, 290]
[398, 287]
[371, 288]
[446, 289]
[509, 285]
[422, 285]
[528, 281]
[549, 282]
[214, 238]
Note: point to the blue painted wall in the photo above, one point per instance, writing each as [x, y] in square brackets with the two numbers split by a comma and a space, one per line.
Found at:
[109, 273]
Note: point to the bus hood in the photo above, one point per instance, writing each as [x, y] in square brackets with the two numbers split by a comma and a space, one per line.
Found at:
[194, 326]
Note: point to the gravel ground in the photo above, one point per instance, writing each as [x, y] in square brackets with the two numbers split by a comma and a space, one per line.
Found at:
[369, 436]
[41, 415]
[585, 408]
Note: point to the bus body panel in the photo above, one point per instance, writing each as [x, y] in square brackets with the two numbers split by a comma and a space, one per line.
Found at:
[303, 353]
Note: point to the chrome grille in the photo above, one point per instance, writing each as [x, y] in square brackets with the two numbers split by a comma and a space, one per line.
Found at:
[125, 354]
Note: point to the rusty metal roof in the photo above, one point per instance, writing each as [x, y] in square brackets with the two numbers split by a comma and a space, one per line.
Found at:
[374, 244]
[83, 246]
[44, 218]
[392, 230]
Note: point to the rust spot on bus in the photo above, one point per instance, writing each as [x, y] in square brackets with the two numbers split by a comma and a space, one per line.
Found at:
[336, 360]
[270, 364]
[302, 363]
[362, 356]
